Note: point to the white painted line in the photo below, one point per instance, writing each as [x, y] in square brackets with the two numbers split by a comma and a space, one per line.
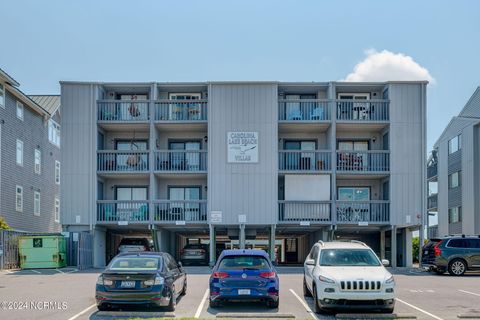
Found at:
[74, 270]
[417, 308]
[314, 316]
[38, 272]
[475, 294]
[202, 303]
[59, 271]
[82, 312]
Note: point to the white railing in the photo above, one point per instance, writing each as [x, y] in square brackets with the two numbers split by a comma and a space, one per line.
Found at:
[181, 110]
[374, 211]
[304, 109]
[318, 211]
[122, 161]
[303, 160]
[358, 161]
[123, 110]
[181, 160]
[180, 210]
[116, 210]
[363, 110]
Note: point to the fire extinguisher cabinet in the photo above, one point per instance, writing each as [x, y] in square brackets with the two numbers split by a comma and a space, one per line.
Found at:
[42, 251]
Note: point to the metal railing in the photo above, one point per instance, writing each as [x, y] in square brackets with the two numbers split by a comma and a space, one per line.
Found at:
[363, 110]
[303, 160]
[122, 161]
[181, 160]
[432, 171]
[304, 211]
[360, 161]
[432, 232]
[374, 211]
[304, 109]
[123, 110]
[118, 210]
[432, 201]
[180, 210]
[181, 110]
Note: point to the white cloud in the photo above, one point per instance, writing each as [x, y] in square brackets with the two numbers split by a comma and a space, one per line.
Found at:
[388, 66]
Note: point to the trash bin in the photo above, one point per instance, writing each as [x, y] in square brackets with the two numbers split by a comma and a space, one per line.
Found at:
[42, 251]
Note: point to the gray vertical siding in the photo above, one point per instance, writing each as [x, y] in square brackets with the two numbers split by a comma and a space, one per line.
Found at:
[33, 131]
[250, 189]
[469, 185]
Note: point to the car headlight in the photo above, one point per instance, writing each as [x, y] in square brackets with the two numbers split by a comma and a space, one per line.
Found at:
[325, 279]
[390, 280]
[159, 280]
[100, 280]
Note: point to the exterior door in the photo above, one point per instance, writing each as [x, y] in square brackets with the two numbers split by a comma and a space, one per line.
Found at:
[128, 161]
[356, 206]
[134, 207]
[185, 110]
[300, 160]
[353, 161]
[184, 160]
[354, 109]
[183, 202]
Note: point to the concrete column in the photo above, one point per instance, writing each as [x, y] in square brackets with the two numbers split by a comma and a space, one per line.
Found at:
[99, 248]
[213, 250]
[408, 248]
[271, 243]
[394, 246]
[241, 237]
[382, 244]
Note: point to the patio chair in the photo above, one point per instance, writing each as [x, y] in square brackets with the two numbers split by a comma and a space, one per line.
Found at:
[295, 115]
[317, 114]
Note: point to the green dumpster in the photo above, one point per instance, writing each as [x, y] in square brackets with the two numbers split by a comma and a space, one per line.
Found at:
[42, 251]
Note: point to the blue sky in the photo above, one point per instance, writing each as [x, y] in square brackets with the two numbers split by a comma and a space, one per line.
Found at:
[47, 41]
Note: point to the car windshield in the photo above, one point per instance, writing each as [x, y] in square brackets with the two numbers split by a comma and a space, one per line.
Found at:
[243, 262]
[132, 242]
[348, 257]
[135, 263]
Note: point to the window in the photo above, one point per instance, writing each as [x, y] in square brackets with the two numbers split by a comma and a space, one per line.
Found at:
[454, 214]
[38, 161]
[131, 193]
[57, 172]
[57, 209]
[353, 193]
[454, 180]
[54, 132]
[2, 96]
[19, 110]
[457, 243]
[19, 198]
[20, 152]
[36, 203]
[454, 144]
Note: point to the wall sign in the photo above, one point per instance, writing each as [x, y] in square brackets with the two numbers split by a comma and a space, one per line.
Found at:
[216, 217]
[242, 147]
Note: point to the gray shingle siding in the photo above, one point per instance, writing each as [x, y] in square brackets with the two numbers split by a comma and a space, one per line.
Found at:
[455, 162]
[33, 131]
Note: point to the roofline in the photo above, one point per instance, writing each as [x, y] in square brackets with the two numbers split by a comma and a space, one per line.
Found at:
[26, 99]
[440, 138]
[477, 91]
[9, 78]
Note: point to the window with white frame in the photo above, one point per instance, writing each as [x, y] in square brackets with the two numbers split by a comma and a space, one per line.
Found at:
[38, 161]
[454, 214]
[19, 198]
[454, 144]
[20, 152]
[36, 203]
[454, 180]
[57, 172]
[2, 96]
[54, 132]
[20, 110]
[57, 209]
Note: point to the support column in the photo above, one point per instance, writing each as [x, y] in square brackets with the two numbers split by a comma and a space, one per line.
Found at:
[99, 247]
[271, 243]
[241, 237]
[213, 250]
[382, 244]
[408, 248]
[394, 246]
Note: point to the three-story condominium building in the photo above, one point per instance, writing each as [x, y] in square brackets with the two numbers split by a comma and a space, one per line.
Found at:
[29, 159]
[271, 165]
[453, 175]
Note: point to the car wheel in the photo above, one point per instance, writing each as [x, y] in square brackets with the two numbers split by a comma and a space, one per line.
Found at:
[457, 267]
[173, 301]
[213, 304]
[184, 290]
[316, 308]
[273, 304]
[306, 292]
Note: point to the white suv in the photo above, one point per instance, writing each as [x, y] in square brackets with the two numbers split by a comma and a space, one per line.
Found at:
[347, 275]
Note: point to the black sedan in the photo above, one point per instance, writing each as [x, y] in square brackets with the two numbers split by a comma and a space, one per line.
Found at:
[141, 278]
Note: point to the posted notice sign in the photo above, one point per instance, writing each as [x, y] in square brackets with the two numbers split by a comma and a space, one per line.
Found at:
[242, 147]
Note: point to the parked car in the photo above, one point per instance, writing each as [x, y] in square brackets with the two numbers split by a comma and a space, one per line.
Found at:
[134, 245]
[141, 278]
[455, 254]
[194, 254]
[347, 275]
[243, 274]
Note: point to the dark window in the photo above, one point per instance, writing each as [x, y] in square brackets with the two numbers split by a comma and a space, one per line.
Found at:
[243, 262]
[457, 243]
[37, 242]
[171, 264]
[473, 243]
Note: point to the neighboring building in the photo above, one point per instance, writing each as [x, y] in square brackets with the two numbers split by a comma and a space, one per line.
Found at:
[30, 159]
[454, 174]
[242, 164]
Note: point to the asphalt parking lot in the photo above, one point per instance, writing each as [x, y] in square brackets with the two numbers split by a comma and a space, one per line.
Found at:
[69, 294]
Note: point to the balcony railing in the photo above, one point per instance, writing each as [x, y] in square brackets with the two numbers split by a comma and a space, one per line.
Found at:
[432, 202]
[122, 161]
[123, 110]
[115, 211]
[302, 160]
[304, 109]
[180, 210]
[432, 232]
[363, 161]
[181, 160]
[318, 211]
[181, 110]
[374, 211]
[432, 171]
[363, 110]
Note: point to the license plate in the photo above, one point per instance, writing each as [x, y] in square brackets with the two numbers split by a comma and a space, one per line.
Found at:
[243, 291]
[426, 252]
[127, 284]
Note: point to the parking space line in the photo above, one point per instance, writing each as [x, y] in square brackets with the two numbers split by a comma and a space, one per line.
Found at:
[421, 310]
[314, 316]
[200, 307]
[473, 293]
[74, 270]
[82, 312]
[38, 272]
[59, 271]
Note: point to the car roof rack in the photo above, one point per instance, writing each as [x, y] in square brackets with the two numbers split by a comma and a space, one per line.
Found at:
[321, 243]
[359, 242]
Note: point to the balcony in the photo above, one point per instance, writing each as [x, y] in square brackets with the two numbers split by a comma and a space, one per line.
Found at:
[119, 161]
[188, 161]
[296, 211]
[432, 171]
[363, 110]
[357, 212]
[180, 210]
[363, 162]
[432, 202]
[122, 212]
[181, 110]
[304, 161]
[304, 110]
[123, 110]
